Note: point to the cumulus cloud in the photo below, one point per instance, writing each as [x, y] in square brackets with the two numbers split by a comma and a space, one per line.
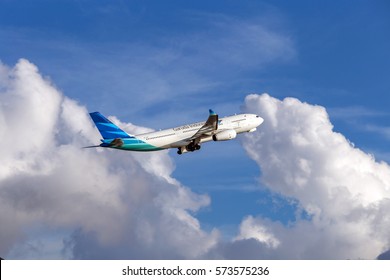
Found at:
[345, 192]
[250, 229]
[60, 201]
[99, 204]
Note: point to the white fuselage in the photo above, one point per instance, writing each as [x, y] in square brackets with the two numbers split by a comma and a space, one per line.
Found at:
[178, 136]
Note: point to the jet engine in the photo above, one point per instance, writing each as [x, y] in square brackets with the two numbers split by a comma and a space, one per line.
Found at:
[225, 135]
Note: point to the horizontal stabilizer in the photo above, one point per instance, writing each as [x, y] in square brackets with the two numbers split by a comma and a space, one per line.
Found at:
[94, 146]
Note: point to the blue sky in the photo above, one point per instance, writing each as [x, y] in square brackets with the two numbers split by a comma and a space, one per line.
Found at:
[159, 64]
[336, 53]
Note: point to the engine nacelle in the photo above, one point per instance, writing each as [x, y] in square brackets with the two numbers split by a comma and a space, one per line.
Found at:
[225, 135]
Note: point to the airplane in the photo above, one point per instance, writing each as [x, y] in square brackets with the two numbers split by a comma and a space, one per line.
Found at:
[186, 138]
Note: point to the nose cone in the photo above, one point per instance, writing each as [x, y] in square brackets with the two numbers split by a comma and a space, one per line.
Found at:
[258, 121]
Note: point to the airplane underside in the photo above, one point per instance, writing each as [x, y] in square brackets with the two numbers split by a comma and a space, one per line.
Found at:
[192, 146]
[189, 148]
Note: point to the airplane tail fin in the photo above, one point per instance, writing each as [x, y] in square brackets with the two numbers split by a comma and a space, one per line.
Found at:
[107, 129]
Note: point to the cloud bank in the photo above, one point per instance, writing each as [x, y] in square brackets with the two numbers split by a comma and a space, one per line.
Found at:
[345, 192]
[96, 204]
[60, 201]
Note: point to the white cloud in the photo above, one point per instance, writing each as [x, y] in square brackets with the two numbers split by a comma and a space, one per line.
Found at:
[251, 229]
[59, 200]
[343, 189]
[99, 204]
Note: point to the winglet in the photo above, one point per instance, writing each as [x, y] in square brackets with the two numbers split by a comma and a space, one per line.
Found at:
[212, 113]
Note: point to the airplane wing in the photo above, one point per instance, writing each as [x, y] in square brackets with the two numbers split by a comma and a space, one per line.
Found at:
[207, 129]
[192, 143]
